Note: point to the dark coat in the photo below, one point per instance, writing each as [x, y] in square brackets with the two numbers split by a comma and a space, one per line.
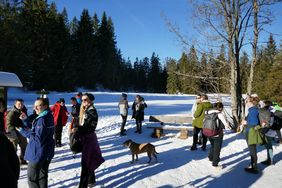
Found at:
[13, 119]
[9, 162]
[91, 153]
[2, 122]
[138, 110]
[41, 143]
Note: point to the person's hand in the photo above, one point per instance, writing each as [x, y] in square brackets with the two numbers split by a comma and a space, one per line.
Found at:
[73, 130]
[23, 116]
[244, 122]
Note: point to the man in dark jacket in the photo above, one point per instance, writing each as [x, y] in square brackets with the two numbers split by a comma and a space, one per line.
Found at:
[40, 149]
[14, 122]
[75, 109]
[9, 163]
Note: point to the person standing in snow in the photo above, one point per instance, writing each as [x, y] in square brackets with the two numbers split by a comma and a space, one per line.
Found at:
[41, 146]
[123, 109]
[14, 121]
[75, 109]
[60, 114]
[198, 121]
[194, 107]
[251, 131]
[216, 141]
[91, 154]
[138, 108]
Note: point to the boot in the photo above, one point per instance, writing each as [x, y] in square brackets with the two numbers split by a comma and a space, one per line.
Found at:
[267, 162]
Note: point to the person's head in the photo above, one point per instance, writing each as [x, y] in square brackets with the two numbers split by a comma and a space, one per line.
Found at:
[138, 98]
[204, 97]
[254, 100]
[218, 106]
[40, 105]
[79, 94]
[62, 101]
[198, 97]
[124, 95]
[73, 101]
[19, 104]
[87, 99]
[267, 104]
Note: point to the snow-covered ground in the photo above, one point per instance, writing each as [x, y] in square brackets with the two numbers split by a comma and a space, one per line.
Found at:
[177, 165]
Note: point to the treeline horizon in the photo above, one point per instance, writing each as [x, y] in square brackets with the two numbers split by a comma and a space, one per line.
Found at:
[48, 51]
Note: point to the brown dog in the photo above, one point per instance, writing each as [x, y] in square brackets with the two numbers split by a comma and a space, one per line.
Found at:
[136, 149]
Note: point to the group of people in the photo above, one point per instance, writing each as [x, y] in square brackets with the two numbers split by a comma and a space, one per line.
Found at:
[138, 108]
[259, 127]
[43, 128]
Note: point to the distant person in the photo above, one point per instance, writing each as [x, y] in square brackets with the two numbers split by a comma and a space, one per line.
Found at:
[198, 121]
[266, 121]
[194, 107]
[91, 157]
[138, 108]
[123, 110]
[75, 109]
[9, 163]
[216, 141]
[2, 115]
[60, 114]
[41, 146]
[14, 122]
[78, 97]
[252, 125]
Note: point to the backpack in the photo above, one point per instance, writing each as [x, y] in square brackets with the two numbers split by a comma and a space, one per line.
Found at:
[211, 124]
[277, 120]
[75, 143]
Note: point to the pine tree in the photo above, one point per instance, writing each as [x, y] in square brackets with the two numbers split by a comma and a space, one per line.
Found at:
[154, 74]
[183, 70]
[172, 79]
[244, 67]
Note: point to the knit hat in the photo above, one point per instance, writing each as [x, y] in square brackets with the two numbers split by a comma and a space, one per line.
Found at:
[62, 100]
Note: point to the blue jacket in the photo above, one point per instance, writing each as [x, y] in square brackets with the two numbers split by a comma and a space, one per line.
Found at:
[253, 117]
[41, 144]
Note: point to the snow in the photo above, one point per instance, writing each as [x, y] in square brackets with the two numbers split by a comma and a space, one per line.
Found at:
[177, 166]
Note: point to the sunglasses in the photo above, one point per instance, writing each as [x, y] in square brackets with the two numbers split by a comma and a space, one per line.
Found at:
[84, 100]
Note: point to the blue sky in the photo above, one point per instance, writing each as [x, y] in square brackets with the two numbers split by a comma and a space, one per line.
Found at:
[141, 29]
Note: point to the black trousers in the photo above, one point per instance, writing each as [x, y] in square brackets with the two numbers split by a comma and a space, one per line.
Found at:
[124, 118]
[195, 137]
[216, 144]
[58, 133]
[37, 174]
[87, 176]
[139, 125]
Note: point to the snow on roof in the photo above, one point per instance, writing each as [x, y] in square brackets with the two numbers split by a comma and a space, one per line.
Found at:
[10, 79]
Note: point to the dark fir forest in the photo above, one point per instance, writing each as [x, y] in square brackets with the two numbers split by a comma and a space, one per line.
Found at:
[46, 50]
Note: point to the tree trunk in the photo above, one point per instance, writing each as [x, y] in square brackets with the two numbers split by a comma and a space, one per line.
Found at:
[254, 58]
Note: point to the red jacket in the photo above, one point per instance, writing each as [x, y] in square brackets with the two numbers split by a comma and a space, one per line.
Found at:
[56, 111]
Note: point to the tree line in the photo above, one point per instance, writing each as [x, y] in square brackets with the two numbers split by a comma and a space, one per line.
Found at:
[209, 73]
[48, 51]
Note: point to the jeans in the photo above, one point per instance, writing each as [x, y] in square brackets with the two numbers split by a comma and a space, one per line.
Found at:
[37, 174]
[216, 144]
[139, 126]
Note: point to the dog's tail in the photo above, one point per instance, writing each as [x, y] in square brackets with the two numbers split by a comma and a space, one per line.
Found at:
[156, 152]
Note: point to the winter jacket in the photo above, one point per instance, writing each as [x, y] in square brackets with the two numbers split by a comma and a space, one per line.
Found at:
[9, 162]
[138, 110]
[62, 116]
[91, 153]
[41, 143]
[90, 121]
[75, 110]
[252, 118]
[222, 120]
[254, 136]
[200, 113]
[123, 107]
[13, 119]
[2, 122]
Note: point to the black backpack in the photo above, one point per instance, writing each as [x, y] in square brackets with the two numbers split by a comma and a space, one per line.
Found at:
[277, 120]
[211, 125]
[75, 143]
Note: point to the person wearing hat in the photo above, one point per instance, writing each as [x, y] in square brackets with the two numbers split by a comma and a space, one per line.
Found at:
[123, 109]
[91, 157]
[60, 114]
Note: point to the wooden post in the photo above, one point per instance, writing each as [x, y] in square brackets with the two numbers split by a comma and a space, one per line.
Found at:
[183, 133]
